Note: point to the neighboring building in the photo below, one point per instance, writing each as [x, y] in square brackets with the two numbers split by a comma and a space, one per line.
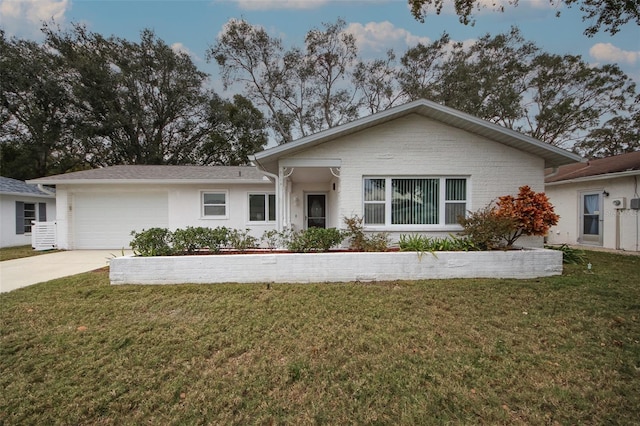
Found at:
[413, 168]
[20, 205]
[598, 202]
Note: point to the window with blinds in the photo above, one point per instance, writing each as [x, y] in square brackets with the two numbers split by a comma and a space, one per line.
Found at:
[414, 201]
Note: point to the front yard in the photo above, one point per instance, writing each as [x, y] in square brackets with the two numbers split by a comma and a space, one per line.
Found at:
[562, 349]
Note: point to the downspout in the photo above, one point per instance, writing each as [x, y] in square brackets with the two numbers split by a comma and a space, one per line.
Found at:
[45, 190]
[278, 192]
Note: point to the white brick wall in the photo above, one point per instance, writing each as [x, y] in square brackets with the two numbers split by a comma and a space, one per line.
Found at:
[334, 267]
[415, 145]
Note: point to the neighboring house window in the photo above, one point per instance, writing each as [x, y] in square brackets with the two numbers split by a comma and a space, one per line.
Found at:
[214, 204]
[419, 201]
[262, 207]
[25, 214]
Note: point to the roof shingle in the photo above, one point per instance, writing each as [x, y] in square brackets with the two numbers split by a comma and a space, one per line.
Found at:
[150, 173]
[616, 164]
[14, 186]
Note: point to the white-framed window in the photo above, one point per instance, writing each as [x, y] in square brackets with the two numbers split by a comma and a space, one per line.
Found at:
[26, 213]
[422, 202]
[262, 207]
[214, 204]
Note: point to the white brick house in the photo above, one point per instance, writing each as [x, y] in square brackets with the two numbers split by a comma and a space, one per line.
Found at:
[413, 168]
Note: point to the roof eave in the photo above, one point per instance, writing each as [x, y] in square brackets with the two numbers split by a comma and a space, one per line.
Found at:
[28, 194]
[595, 177]
[552, 155]
[90, 181]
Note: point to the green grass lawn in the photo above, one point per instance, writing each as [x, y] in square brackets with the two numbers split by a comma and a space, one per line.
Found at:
[560, 350]
[9, 253]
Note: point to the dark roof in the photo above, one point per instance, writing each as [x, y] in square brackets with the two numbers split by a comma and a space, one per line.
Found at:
[617, 164]
[159, 174]
[552, 155]
[18, 187]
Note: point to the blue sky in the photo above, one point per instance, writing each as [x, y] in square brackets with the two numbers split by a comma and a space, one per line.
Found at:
[378, 25]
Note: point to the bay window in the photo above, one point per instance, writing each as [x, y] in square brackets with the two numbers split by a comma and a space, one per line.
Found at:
[415, 201]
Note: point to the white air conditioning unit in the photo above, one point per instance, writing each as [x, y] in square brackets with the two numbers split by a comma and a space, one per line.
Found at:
[619, 203]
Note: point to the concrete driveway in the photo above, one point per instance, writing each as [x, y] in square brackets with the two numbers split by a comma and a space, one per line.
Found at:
[23, 272]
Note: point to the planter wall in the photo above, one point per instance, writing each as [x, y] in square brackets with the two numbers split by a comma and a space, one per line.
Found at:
[334, 267]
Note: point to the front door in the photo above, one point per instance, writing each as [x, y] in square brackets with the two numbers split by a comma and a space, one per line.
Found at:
[591, 218]
[316, 211]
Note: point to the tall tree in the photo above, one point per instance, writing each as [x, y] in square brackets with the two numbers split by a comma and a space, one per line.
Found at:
[304, 90]
[248, 55]
[421, 68]
[560, 100]
[609, 15]
[36, 124]
[571, 100]
[237, 131]
[141, 103]
[376, 80]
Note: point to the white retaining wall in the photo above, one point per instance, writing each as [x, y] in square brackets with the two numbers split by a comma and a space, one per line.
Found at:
[334, 267]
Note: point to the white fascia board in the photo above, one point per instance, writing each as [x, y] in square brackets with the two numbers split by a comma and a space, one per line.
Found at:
[27, 194]
[263, 181]
[310, 162]
[595, 177]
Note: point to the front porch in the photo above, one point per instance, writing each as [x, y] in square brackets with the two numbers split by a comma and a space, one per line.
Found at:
[307, 193]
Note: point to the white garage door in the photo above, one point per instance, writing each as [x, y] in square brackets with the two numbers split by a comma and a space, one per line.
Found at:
[105, 220]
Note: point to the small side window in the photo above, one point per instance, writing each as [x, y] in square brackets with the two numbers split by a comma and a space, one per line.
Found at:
[214, 204]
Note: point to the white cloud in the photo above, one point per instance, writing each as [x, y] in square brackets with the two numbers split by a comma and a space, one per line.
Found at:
[280, 4]
[181, 48]
[380, 36]
[607, 52]
[25, 17]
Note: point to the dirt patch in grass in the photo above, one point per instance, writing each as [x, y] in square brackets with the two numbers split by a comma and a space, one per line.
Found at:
[560, 350]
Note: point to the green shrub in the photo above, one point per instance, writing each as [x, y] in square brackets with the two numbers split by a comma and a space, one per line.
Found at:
[192, 240]
[152, 242]
[315, 239]
[241, 240]
[487, 230]
[273, 239]
[359, 241]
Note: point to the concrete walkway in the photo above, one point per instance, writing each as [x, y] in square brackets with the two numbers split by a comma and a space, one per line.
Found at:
[23, 272]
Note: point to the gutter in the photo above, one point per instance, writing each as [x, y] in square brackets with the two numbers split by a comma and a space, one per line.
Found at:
[594, 177]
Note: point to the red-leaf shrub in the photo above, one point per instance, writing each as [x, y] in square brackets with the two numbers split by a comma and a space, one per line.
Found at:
[531, 211]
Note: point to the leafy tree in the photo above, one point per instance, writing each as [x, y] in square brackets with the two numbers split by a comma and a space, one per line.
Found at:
[422, 68]
[304, 90]
[237, 131]
[36, 125]
[141, 103]
[619, 135]
[507, 80]
[376, 80]
[607, 14]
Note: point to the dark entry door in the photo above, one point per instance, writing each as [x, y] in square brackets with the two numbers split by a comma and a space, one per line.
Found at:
[316, 211]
